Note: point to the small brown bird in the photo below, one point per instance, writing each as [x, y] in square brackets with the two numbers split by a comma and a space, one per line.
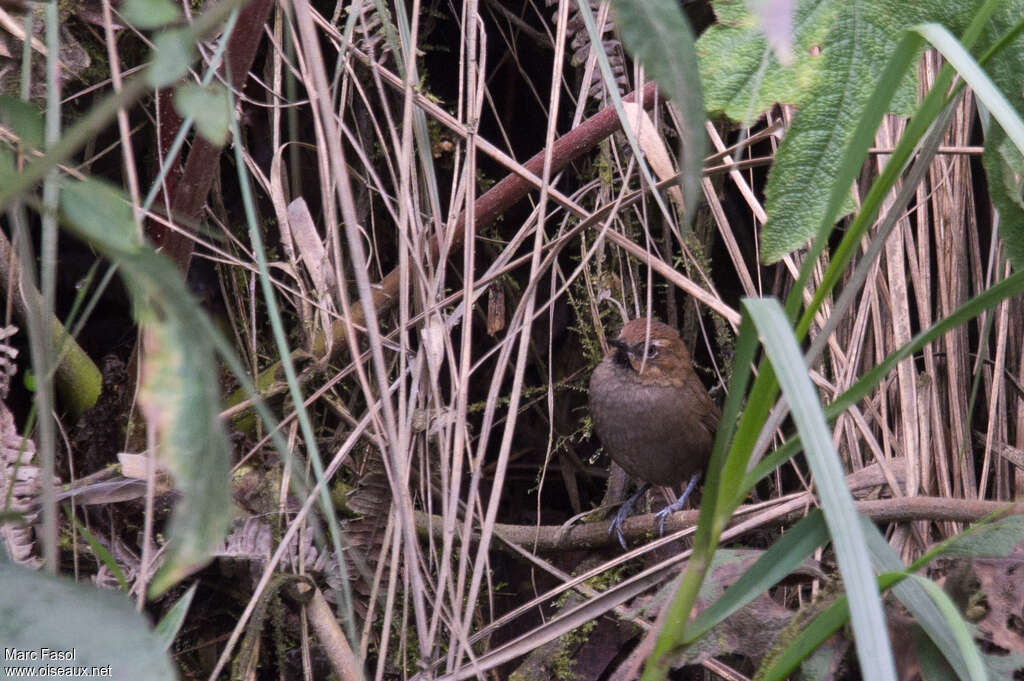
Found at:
[652, 413]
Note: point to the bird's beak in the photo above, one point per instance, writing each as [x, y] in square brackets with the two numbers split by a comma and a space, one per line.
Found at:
[622, 352]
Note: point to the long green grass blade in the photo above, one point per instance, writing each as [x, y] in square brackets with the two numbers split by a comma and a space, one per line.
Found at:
[915, 599]
[659, 36]
[873, 649]
[714, 508]
[988, 299]
[984, 89]
[796, 545]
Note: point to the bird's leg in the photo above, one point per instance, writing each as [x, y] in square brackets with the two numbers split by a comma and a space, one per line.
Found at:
[677, 504]
[623, 513]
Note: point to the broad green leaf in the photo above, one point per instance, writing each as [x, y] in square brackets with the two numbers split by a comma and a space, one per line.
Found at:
[180, 400]
[100, 628]
[24, 119]
[149, 14]
[856, 51]
[210, 108]
[873, 649]
[658, 35]
[179, 393]
[102, 215]
[741, 77]
[173, 53]
[839, 48]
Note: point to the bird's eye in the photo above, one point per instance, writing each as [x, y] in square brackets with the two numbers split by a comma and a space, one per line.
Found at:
[652, 351]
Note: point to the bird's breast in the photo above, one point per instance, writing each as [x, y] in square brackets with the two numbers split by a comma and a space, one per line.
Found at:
[649, 430]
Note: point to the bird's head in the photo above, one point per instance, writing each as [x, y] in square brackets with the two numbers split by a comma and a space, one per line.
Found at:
[653, 351]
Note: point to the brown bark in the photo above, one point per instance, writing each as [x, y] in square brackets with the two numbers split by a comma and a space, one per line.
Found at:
[188, 188]
[490, 205]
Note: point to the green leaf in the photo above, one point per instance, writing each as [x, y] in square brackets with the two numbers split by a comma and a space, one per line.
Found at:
[1002, 159]
[797, 192]
[24, 119]
[101, 552]
[180, 400]
[984, 89]
[991, 540]
[839, 50]
[149, 14]
[777, 562]
[209, 107]
[170, 624]
[173, 53]
[741, 77]
[839, 47]
[179, 393]
[102, 215]
[915, 600]
[873, 649]
[101, 628]
[658, 35]
[964, 641]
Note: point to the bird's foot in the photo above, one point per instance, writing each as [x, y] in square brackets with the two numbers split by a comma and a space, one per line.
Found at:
[677, 504]
[623, 513]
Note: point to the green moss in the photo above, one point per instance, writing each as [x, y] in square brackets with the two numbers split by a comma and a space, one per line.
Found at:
[563, 656]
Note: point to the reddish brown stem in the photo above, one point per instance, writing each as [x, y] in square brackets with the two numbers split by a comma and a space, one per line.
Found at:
[495, 201]
[189, 188]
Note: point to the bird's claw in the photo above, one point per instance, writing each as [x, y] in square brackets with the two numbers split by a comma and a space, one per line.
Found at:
[623, 513]
[616, 526]
[660, 516]
[676, 505]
